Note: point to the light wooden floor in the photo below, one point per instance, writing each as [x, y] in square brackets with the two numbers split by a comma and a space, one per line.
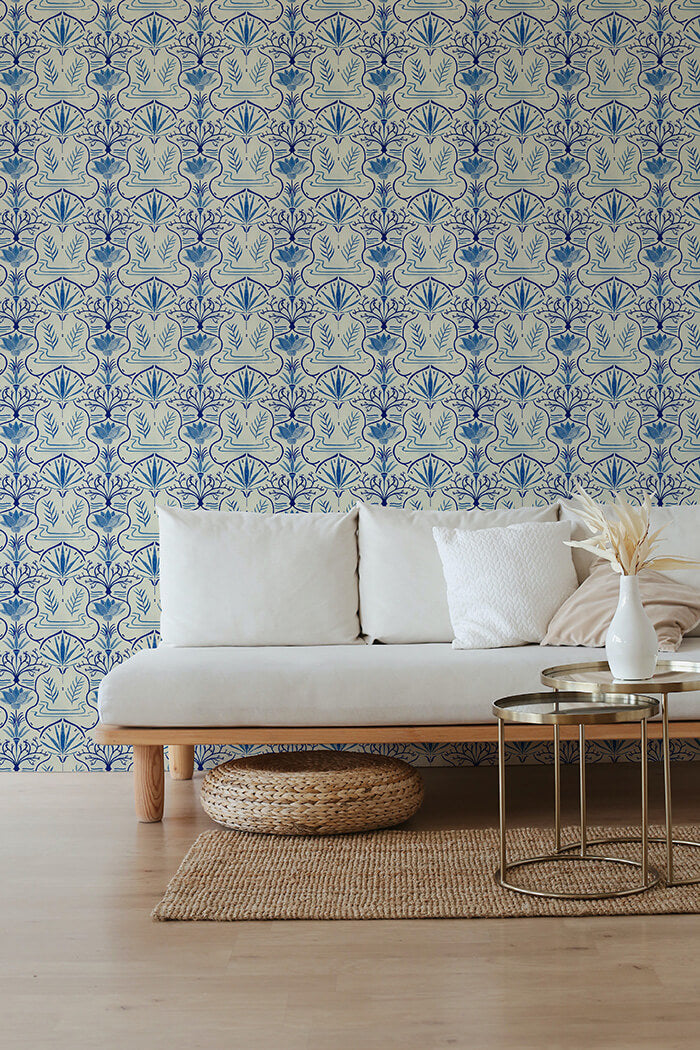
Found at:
[84, 968]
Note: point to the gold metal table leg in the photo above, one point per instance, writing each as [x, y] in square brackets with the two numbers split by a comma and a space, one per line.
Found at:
[645, 800]
[502, 799]
[667, 793]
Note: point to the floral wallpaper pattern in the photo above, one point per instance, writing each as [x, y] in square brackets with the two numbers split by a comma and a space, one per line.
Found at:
[274, 255]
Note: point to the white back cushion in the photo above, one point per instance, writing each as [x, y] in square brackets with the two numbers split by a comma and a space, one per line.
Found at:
[403, 597]
[505, 585]
[681, 538]
[583, 560]
[258, 579]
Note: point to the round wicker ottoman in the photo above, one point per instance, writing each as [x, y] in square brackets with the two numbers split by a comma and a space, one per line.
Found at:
[312, 792]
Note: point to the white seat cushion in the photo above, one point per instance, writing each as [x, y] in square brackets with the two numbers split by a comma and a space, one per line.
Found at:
[258, 579]
[403, 597]
[334, 685]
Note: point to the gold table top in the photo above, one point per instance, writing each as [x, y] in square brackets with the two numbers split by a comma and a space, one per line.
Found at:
[574, 708]
[593, 676]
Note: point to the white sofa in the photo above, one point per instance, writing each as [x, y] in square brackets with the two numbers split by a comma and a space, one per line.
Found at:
[387, 587]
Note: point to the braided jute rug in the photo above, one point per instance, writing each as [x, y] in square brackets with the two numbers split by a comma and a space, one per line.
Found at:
[237, 875]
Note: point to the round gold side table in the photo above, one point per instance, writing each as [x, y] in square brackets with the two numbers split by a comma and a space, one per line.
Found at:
[581, 709]
[671, 676]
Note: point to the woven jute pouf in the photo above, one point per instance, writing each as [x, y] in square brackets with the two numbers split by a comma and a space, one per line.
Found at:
[312, 793]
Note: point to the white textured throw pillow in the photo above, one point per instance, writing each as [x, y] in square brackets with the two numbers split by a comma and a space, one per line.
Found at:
[258, 579]
[504, 585]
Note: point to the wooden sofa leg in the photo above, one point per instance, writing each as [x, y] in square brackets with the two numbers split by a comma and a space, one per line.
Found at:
[149, 782]
[181, 760]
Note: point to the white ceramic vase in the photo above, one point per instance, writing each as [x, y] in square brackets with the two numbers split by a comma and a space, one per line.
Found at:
[631, 644]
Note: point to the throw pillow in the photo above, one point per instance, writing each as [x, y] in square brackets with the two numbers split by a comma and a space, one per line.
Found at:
[504, 585]
[584, 618]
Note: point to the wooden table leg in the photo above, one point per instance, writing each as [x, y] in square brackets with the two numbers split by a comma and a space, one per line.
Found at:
[181, 761]
[149, 782]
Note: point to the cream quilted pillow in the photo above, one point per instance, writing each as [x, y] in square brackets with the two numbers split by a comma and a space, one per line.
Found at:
[504, 585]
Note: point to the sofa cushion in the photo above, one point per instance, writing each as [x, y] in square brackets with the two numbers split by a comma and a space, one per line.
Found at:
[681, 538]
[505, 585]
[403, 597]
[258, 579]
[333, 685]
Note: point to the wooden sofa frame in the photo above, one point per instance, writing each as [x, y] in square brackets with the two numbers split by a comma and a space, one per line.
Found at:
[148, 744]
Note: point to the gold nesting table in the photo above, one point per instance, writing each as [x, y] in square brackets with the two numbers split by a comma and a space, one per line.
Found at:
[671, 676]
[570, 706]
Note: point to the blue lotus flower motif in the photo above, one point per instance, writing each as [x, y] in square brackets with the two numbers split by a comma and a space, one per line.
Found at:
[16, 432]
[567, 343]
[15, 697]
[291, 254]
[568, 254]
[199, 167]
[384, 254]
[106, 343]
[291, 343]
[108, 609]
[567, 166]
[16, 608]
[15, 77]
[15, 255]
[658, 255]
[473, 166]
[108, 431]
[15, 342]
[292, 431]
[383, 431]
[16, 520]
[657, 78]
[107, 76]
[199, 431]
[291, 166]
[383, 167]
[473, 255]
[199, 78]
[659, 432]
[473, 78]
[383, 343]
[107, 519]
[291, 77]
[108, 167]
[475, 431]
[474, 344]
[567, 77]
[199, 343]
[107, 254]
[200, 255]
[657, 167]
[567, 431]
[383, 77]
[658, 344]
[15, 167]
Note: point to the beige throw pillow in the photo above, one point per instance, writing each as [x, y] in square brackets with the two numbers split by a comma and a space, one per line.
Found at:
[584, 618]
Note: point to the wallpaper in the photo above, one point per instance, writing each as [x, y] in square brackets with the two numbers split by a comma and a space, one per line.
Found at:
[283, 256]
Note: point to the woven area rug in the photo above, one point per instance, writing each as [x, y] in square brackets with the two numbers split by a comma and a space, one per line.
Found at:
[236, 875]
